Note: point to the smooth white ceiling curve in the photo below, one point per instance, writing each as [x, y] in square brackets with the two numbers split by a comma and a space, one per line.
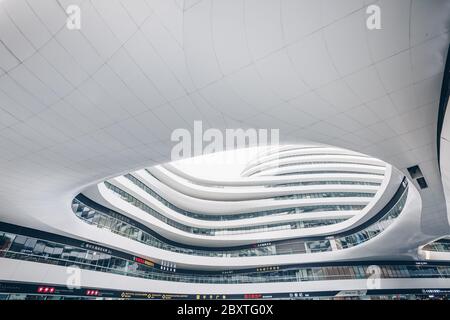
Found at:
[77, 107]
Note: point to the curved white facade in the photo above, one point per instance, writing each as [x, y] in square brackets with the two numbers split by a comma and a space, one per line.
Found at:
[254, 211]
[88, 115]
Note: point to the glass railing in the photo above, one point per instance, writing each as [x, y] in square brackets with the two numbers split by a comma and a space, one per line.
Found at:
[326, 171]
[307, 163]
[441, 245]
[209, 217]
[318, 195]
[126, 227]
[205, 231]
[117, 223]
[324, 182]
[275, 185]
[281, 155]
[71, 252]
[103, 221]
[374, 229]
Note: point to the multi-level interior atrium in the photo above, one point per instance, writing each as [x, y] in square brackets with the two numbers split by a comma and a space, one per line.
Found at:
[291, 216]
[352, 203]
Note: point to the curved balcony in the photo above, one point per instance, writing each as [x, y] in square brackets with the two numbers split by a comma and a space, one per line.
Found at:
[117, 223]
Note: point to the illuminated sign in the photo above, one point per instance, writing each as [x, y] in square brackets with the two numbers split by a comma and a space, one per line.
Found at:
[144, 261]
[253, 296]
[271, 268]
[435, 291]
[350, 293]
[168, 266]
[46, 290]
[92, 292]
[95, 248]
[262, 244]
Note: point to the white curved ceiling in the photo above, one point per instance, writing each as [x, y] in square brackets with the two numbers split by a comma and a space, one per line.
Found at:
[77, 107]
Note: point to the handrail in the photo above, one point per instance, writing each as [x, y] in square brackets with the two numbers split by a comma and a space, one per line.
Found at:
[345, 239]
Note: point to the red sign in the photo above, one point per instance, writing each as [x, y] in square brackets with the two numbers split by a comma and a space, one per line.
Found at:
[92, 292]
[46, 290]
[253, 296]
